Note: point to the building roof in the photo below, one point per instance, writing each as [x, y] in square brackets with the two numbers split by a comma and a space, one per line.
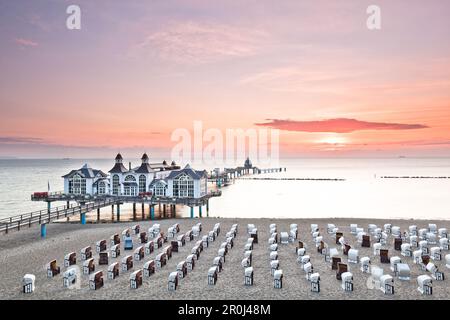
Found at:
[195, 174]
[86, 172]
[118, 168]
[144, 168]
[155, 181]
[119, 157]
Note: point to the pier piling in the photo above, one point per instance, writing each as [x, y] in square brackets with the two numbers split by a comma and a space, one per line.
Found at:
[118, 212]
[143, 211]
[98, 214]
[83, 217]
[152, 212]
[200, 211]
[207, 208]
[134, 211]
[43, 230]
[192, 212]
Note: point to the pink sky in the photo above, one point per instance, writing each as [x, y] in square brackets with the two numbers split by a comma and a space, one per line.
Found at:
[138, 70]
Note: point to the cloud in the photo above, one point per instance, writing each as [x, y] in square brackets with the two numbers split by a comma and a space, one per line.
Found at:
[25, 42]
[20, 140]
[339, 125]
[198, 43]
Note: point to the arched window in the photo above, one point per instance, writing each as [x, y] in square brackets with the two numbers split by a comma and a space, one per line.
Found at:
[115, 185]
[101, 187]
[183, 186]
[142, 183]
[130, 179]
[77, 185]
[159, 190]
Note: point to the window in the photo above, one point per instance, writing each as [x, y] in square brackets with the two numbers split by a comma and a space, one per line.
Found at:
[77, 185]
[115, 185]
[142, 183]
[203, 187]
[159, 190]
[130, 186]
[183, 186]
[101, 187]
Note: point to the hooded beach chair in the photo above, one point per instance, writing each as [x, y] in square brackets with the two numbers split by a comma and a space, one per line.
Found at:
[86, 253]
[69, 277]
[139, 253]
[365, 264]
[52, 269]
[443, 233]
[127, 263]
[103, 258]
[149, 268]
[100, 245]
[387, 284]
[248, 276]
[278, 279]
[412, 230]
[248, 254]
[384, 256]
[114, 239]
[425, 283]
[315, 282]
[353, 228]
[136, 228]
[96, 280]
[387, 228]
[435, 273]
[308, 269]
[88, 266]
[149, 247]
[212, 275]
[443, 244]
[353, 256]
[115, 251]
[218, 263]
[274, 265]
[181, 240]
[113, 270]
[341, 268]
[347, 281]
[273, 247]
[376, 273]
[376, 249]
[423, 245]
[432, 228]
[396, 232]
[394, 262]
[403, 271]
[136, 279]
[28, 283]
[190, 261]
[173, 281]
[143, 236]
[284, 238]
[161, 260]
[436, 254]
[398, 244]
[70, 259]
[406, 250]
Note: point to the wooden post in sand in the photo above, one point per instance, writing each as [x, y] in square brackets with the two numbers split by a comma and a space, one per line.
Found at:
[112, 213]
[98, 214]
[143, 211]
[118, 212]
[134, 211]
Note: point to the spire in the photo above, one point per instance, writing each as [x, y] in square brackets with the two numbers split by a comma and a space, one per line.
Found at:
[144, 158]
[119, 158]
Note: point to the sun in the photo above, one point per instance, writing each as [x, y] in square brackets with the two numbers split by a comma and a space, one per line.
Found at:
[334, 140]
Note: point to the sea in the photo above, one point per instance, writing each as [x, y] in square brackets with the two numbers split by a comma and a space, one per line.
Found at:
[403, 188]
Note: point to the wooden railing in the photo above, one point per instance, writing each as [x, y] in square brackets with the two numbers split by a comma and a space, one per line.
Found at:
[46, 216]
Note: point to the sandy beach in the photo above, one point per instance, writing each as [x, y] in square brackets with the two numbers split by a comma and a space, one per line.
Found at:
[25, 252]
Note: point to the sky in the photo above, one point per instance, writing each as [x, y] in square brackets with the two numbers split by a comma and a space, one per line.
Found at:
[137, 71]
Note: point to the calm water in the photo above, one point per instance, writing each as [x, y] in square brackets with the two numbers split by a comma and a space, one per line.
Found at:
[362, 194]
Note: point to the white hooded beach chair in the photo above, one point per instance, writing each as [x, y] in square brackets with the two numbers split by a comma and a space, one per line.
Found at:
[376, 273]
[315, 235]
[136, 279]
[250, 227]
[216, 229]
[205, 241]
[394, 262]
[353, 256]
[69, 277]
[127, 263]
[274, 265]
[365, 264]
[248, 254]
[161, 260]
[331, 228]
[88, 266]
[273, 247]
[308, 269]
[212, 275]
[414, 241]
[52, 269]
[171, 232]
[173, 281]
[292, 235]
[396, 232]
[314, 228]
[248, 246]
[248, 276]
[195, 231]
[412, 230]
[136, 228]
[115, 250]
[443, 244]
[70, 259]
[211, 236]
[218, 263]
[271, 241]
[387, 284]
[278, 279]
[139, 253]
[403, 271]
[417, 256]
[435, 253]
[432, 228]
[314, 278]
[423, 245]
[423, 233]
[406, 250]
[300, 253]
[222, 253]
[359, 237]
[245, 263]
[425, 283]
[182, 269]
[383, 238]
[284, 238]
[376, 249]
[387, 228]
[272, 228]
[358, 230]
[113, 270]
[443, 233]
[371, 228]
[431, 238]
[347, 281]
[96, 280]
[28, 283]
[149, 247]
[86, 253]
[435, 273]
[190, 261]
[149, 268]
[333, 252]
[304, 260]
[353, 228]
[273, 255]
[100, 245]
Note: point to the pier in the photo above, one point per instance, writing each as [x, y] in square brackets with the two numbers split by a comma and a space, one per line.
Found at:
[86, 203]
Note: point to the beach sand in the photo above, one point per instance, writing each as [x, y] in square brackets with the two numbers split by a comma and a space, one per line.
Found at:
[25, 252]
